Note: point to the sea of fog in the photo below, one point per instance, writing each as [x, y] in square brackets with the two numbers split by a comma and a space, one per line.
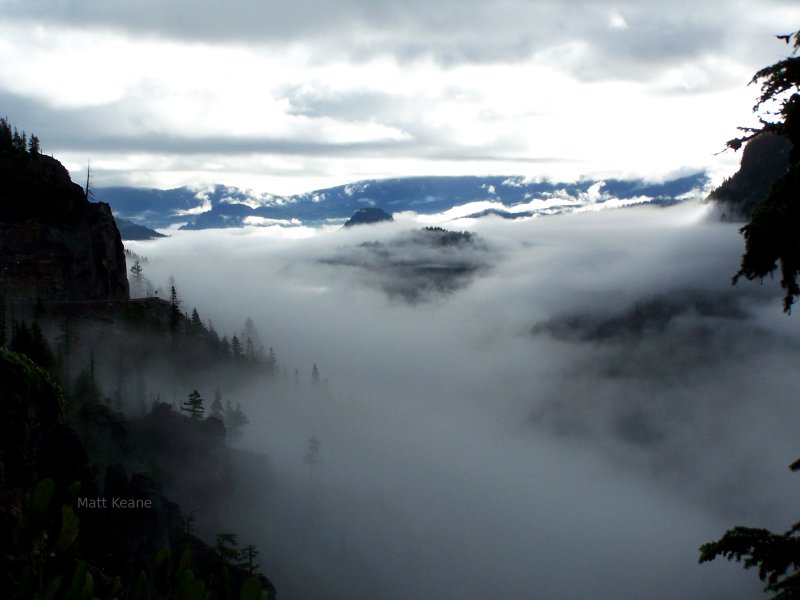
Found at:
[585, 403]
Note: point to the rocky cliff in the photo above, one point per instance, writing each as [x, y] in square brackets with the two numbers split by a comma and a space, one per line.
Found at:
[764, 159]
[55, 245]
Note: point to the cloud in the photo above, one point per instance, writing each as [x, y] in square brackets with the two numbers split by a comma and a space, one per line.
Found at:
[291, 95]
[451, 33]
[599, 398]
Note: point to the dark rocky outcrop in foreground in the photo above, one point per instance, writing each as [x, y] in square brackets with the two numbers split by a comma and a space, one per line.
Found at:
[55, 245]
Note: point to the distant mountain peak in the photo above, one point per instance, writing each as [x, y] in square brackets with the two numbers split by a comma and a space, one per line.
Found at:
[217, 206]
[367, 216]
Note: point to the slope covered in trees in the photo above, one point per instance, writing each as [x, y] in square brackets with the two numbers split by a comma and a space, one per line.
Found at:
[93, 451]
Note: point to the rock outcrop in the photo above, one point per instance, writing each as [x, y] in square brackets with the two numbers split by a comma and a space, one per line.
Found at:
[764, 160]
[55, 245]
[366, 216]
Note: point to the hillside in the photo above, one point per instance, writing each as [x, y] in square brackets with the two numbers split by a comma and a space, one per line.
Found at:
[91, 459]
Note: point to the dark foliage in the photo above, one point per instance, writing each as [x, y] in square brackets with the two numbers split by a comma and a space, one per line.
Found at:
[775, 555]
[772, 236]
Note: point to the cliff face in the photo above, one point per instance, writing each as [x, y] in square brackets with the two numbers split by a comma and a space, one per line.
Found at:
[764, 160]
[54, 244]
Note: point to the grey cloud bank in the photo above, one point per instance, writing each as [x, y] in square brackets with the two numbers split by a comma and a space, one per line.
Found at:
[572, 423]
[289, 97]
[452, 32]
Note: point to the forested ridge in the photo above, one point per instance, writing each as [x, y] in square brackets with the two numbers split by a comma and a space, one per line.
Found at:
[97, 443]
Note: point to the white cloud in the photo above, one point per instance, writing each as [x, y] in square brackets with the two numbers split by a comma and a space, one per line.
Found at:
[462, 442]
[409, 90]
[617, 21]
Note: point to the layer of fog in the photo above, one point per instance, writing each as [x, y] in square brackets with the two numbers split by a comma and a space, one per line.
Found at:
[592, 406]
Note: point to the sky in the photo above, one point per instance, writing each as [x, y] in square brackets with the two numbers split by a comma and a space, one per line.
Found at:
[287, 97]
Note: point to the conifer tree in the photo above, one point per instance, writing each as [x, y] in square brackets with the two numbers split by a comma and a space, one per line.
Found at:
[226, 547]
[6, 136]
[174, 310]
[194, 405]
[271, 363]
[33, 145]
[247, 557]
[236, 349]
[137, 278]
[88, 190]
[195, 322]
[772, 237]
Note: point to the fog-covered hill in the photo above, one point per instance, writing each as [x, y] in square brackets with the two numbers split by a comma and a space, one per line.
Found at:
[220, 206]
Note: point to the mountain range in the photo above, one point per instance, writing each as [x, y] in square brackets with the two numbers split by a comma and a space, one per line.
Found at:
[219, 206]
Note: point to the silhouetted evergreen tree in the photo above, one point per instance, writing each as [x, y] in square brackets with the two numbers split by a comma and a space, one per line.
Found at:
[6, 136]
[34, 147]
[247, 557]
[174, 310]
[195, 323]
[315, 376]
[271, 363]
[88, 190]
[236, 349]
[775, 555]
[137, 279]
[772, 236]
[194, 405]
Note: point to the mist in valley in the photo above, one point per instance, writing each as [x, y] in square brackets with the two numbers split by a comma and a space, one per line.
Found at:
[561, 407]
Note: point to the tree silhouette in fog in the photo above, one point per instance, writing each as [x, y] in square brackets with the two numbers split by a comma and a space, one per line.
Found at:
[772, 236]
[194, 405]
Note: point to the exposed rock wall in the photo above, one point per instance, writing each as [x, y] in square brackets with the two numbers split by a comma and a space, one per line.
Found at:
[54, 244]
[764, 160]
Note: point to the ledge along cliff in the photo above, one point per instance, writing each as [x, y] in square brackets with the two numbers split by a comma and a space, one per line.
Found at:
[55, 245]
